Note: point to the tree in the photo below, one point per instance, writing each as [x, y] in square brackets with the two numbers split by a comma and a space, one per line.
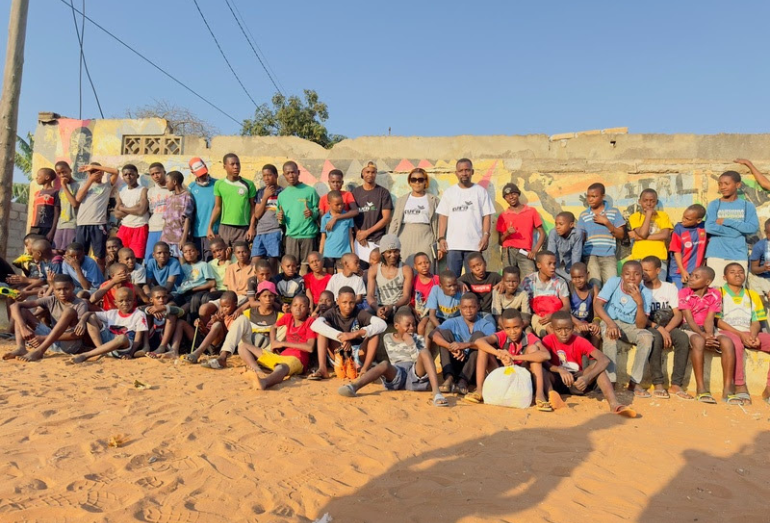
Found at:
[23, 158]
[292, 117]
[181, 121]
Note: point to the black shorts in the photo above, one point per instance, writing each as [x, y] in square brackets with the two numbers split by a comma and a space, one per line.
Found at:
[93, 237]
[233, 233]
[561, 388]
[42, 231]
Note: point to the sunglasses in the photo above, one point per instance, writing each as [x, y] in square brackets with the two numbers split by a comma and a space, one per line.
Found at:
[418, 180]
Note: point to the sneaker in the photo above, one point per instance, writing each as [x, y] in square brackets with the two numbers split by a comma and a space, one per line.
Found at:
[339, 365]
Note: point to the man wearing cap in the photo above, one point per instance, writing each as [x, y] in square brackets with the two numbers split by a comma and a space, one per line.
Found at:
[516, 227]
[202, 191]
[464, 218]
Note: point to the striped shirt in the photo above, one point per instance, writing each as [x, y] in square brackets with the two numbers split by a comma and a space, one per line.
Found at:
[599, 241]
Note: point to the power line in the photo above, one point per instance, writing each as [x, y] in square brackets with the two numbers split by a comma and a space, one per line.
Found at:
[252, 48]
[83, 62]
[156, 66]
[223, 54]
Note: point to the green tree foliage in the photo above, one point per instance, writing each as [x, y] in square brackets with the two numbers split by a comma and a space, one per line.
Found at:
[20, 193]
[23, 158]
[292, 117]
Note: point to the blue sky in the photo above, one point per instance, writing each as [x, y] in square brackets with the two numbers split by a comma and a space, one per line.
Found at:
[421, 68]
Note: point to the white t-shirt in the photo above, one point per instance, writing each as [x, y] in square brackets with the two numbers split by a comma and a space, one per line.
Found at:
[339, 281]
[117, 323]
[664, 297]
[130, 198]
[417, 209]
[139, 275]
[157, 196]
[465, 210]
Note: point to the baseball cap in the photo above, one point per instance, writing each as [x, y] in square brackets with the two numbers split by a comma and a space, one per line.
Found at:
[197, 167]
[266, 286]
[390, 242]
[511, 188]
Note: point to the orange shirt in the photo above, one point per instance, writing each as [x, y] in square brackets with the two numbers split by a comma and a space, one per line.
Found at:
[237, 278]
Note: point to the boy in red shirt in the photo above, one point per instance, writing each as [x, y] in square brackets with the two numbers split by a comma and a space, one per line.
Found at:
[567, 375]
[316, 278]
[516, 226]
[120, 277]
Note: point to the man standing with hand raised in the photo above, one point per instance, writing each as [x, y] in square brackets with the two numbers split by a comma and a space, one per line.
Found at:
[298, 211]
[464, 218]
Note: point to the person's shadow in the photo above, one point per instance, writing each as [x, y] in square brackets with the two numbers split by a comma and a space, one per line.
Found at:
[492, 476]
[712, 488]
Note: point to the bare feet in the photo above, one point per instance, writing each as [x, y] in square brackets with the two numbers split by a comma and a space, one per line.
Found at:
[255, 374]
[448, 385]
[462, 387]
[622, 410]
[18, 352]
[222, 358]
[554, 398]
[80, 358]
[35, 355]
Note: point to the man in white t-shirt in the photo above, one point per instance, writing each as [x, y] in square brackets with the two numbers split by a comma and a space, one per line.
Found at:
[464, 218]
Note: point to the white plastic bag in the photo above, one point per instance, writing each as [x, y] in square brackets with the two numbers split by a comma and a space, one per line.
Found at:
[508, 387]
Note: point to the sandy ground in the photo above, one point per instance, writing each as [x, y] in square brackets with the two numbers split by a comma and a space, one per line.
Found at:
[204, 445]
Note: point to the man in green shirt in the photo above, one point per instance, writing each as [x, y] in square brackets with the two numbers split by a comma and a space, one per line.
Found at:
[234, 204]
[298, 211]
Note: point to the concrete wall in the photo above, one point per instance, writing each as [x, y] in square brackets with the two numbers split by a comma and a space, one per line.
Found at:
[17, 230]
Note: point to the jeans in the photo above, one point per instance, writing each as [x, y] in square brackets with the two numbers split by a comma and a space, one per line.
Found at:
[601, 269]
[629, 333]
[680, 343]
[455, 260]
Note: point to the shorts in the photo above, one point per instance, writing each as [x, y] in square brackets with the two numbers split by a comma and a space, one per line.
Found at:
[62, 347]
[107, 336]
[62, 238]
[270, 361]
[233, 233]
[407, 378]
[202, 244]
[93, 237]
[153, 237]
[267, 244]
[561, 388]
[135, 238]
[42, 231]
[300, 248]
[155, 337]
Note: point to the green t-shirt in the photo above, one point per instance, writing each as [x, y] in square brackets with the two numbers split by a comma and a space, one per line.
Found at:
[236, 200]
[292, 202]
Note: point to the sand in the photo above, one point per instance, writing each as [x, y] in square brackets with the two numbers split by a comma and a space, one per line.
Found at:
[203, 445]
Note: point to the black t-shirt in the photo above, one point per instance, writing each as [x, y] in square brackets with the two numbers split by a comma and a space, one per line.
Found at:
[482, 288]
[263, 321]
[358, 320]
[370, 206]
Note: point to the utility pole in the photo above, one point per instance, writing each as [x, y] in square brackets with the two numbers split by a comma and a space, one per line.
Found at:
[9, 110]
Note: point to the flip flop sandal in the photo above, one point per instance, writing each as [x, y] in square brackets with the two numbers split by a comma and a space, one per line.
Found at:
[474, 398]
[733, 399]
[315, 376]
[213, 363]
[766, 400]
[661, 394]
[440, 401]
[626, 412]
[682, 395]
[349, 391]
[641, 393]
[745, 397]
[543, 406]
[706, 397]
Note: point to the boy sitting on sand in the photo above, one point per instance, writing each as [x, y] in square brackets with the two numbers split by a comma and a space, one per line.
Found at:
[228, 317]
[63, 310]
[161, 319]
[285, 358]
[117, 332]
[411, 365]
[567, 375]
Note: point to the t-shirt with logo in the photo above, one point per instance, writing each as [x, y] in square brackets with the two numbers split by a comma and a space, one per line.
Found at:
[370, 207]
[204, 206]
[195, 275]
[261, 323]
[740, 309]
[297, 334]
[700, 307]
[268, 222]
[690, 242]
[465, 210]
[118, 323]
[289, 286]
[236, 201]
[482, 288]
[157, 197]
[293, 201]
[45, 203]
[445, 306]
[621, 306]
[664, 297]
[93, 208]
[417, 209]
[568, 355]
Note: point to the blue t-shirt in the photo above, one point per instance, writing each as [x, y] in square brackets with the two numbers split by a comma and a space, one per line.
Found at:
[728, 241]
[204, 206]
[195, 275]
[338, 239]
[445, 306]
[161, 275]
[459, 328]
[598, 240]
[758, 254]
[90, 270]
[619, 305]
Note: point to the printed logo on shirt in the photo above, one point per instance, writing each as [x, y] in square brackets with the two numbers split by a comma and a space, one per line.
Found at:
[368, 207]
[463, 207]
[731, 214]
[487, 287]
[415, 212]
[688, 245]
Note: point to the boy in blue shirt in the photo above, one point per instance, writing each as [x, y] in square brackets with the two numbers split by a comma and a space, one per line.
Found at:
[624, 306]
[729, 221]
[197, 281]
[83, 270]
[162, 269]
[759, 277]
[602, 226]
[202, 191]
[339, 240]
[443, 300]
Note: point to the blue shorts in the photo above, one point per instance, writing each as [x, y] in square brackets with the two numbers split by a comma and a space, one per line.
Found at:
[153, 237]
[407, 378]
[62, 347]
[107, 336]
[267, 244]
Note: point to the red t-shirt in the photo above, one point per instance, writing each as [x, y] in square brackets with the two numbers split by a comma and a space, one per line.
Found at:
[515, 348]
[573, 351]
[315, 285]
[420, 292]
[347, 199]
[525, 223]
[108, 300]
[294, 334]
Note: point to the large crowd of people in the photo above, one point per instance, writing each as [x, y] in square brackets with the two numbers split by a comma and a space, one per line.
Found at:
[347, 285]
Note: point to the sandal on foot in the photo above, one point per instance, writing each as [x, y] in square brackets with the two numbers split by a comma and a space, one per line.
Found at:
[440, 401]
[474, 397]
[349, 391]
[706, 397]
[641, 393]
[316, 376]
[543, 406]
[745, 397]
[682, 395]
[626, 412]
[446, 388]
[733, 399]
[661, 394]
[461, 388]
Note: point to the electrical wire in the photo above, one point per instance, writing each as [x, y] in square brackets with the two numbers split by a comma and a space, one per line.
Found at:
[83, 59]
[156, 66]
[223, 54]
[252, 48]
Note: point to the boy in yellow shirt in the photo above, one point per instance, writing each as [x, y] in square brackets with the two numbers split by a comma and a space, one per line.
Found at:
[651, 230]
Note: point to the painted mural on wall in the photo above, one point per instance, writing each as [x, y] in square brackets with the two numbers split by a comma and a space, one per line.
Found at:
[83, 141]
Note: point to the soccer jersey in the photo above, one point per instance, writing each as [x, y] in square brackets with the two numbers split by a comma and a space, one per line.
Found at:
[691, 243]
[700, 307]
[621, 306]
[740, 309]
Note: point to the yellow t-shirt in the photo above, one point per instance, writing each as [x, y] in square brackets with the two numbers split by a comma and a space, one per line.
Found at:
[644, 248]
